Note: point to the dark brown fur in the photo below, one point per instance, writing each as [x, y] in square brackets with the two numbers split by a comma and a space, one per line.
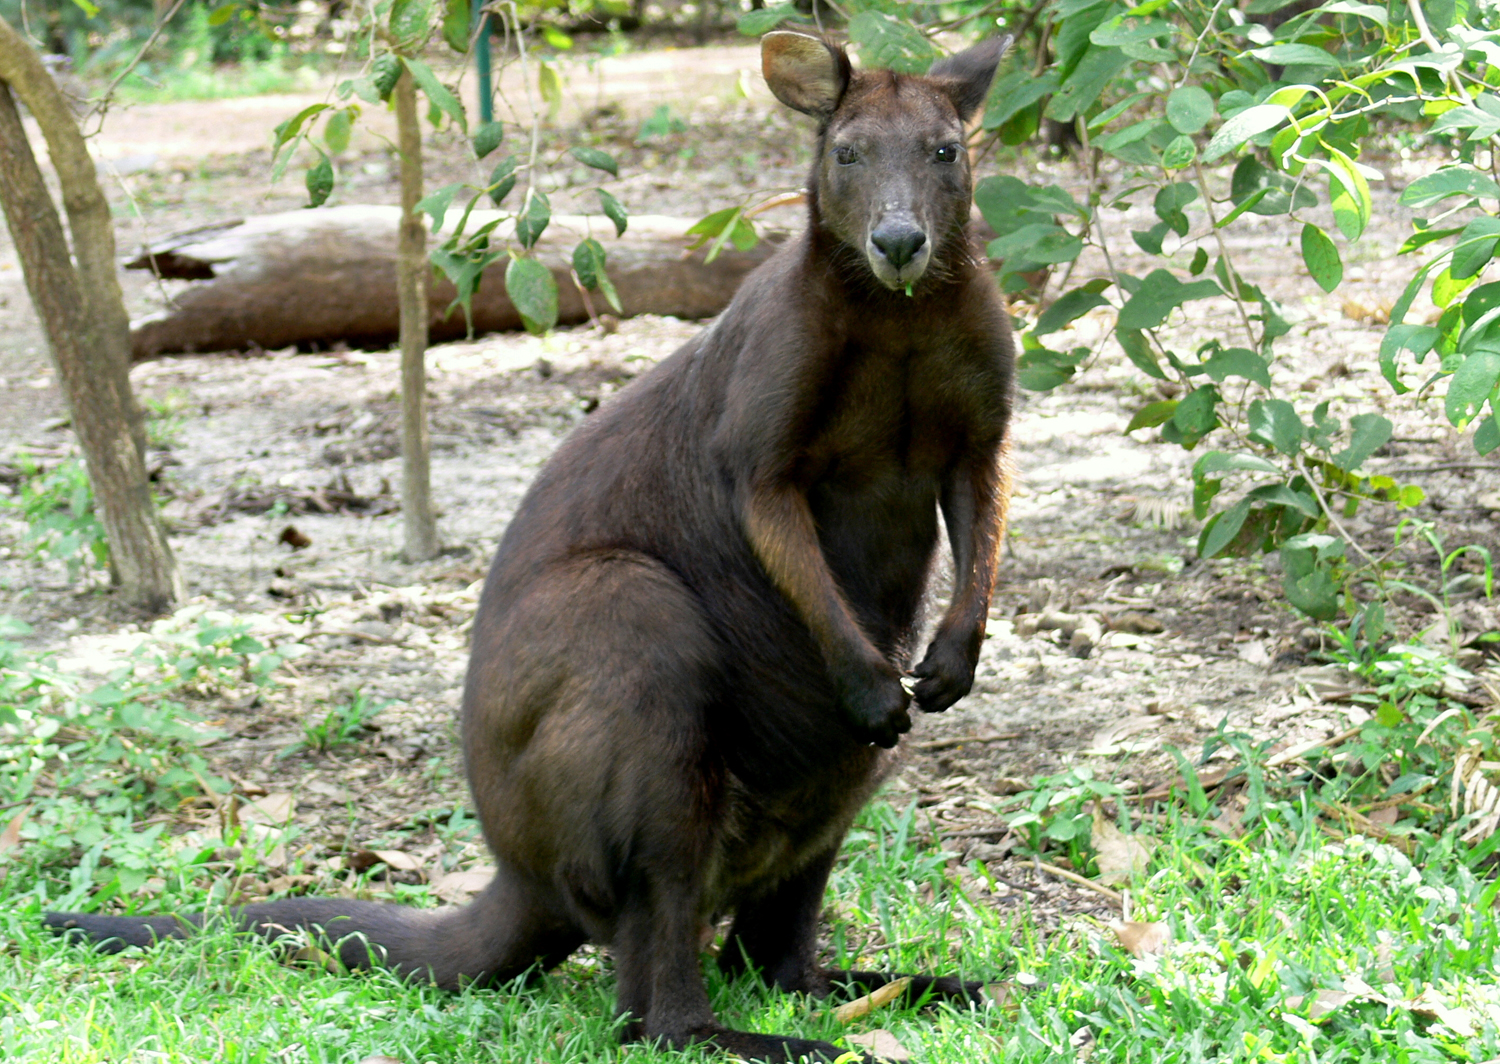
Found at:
[688, 653]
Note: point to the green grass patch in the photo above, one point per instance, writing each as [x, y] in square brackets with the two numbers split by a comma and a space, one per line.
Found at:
[1291, 926]
[169, 84]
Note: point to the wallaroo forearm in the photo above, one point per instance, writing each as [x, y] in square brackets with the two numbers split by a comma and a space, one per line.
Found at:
[782, 534]
[976, 505]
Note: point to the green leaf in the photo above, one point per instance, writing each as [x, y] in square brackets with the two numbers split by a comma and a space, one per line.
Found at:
[1367, 434]
[1179, 154]
[1274, 422]
[1322, 258]
[1238, 362]
[533, 290]
[436, 204]
[487, 138]
[1014, 92]
[1067, 309]
[755, 23]
[1277, 193]
[532, 220]
[1475, 248]
[1040, 370]
[1487, 435]
[1449, 181]
[1222, 462]
[599, 160]
[614, 210]
[1219, 532]
[1351, 210]
[289, 129]
[1314, 594]
[1248, 123]
[1138, 349]
[411, 22]
[1158, 295]
[1471, 385]
[1089, 78]
[550, 87]
[337, 129]
[436, 92]
[456, 25]
[890, 43]
[1189, 109]
[502, 180]
[384, 73]
[1195, 412]
[1152, 414]
[1373, 12]
[90, 10]
[1281, 495]
[588, 262]
[1124, 30]
[1109, 114]
[319, 181]
[1296, 55]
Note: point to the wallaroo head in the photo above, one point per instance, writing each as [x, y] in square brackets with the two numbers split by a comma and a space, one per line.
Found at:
[892, 178]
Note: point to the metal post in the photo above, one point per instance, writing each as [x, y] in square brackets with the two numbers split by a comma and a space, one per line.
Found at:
[482, 64]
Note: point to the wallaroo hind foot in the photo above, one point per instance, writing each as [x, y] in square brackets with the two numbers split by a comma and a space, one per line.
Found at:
[689, 650]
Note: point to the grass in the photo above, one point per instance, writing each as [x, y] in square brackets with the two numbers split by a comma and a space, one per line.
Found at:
[1267, 929]
[171, 84]
[1290, 936]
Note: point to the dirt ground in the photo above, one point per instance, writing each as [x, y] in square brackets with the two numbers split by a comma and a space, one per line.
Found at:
[1099, 523]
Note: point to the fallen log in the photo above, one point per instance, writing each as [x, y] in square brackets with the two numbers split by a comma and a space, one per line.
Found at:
[324, 276]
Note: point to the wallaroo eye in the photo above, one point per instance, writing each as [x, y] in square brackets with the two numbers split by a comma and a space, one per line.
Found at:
[948, 153]
[844, 156]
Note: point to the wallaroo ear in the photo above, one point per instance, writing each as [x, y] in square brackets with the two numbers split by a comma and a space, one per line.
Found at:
[966, 77]
[806, 73]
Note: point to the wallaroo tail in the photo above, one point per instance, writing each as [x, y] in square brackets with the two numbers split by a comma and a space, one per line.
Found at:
[698, 640]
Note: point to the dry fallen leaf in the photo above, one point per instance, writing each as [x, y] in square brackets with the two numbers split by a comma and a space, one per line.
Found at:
[1323, 1002]
[882, 1044]
[10, 838]
[870, 1002]
[395, 860]
[456, 888]
[1002, 994]
[1141, 939]
[273, 809]
[1119, 855]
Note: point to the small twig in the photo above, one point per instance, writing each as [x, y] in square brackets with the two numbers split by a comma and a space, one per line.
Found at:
[1073, 877]
[1292, 753]
[944, 744]
[1187, 68]
[1401, 471]
[1328, 512]
[102, 104]
[978, 833]
[1229, 271]
[352, 633]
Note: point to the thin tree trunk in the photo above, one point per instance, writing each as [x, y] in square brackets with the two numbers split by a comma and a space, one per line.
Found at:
[90, 350]
[421, 540]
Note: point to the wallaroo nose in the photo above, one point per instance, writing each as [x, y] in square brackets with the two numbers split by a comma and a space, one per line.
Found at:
[899, 245]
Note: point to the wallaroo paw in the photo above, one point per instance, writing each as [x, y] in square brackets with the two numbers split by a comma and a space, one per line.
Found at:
[944, 676]
[878, 712]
